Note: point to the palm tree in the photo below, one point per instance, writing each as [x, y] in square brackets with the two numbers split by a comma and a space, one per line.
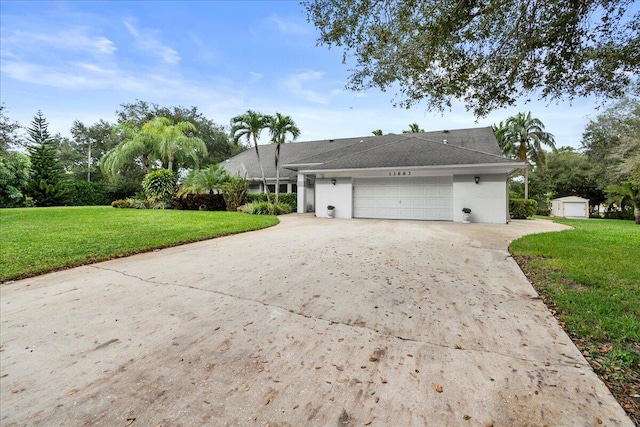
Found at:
[413, 128]
[508, 149]
[626, 194]
[208, 180]
[377, 132]
[279, 126]
[132, 149]
[250, 125]
[524, 135]
[158, 139]
[173, 142]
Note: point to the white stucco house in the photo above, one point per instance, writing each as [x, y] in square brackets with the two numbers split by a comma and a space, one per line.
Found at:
[570, 206]
[416, 176]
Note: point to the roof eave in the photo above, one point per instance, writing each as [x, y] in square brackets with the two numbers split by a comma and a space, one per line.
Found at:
[507, 167]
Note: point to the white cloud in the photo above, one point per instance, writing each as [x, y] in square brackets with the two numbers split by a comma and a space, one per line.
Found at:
[254, 77]
[69, 39]
[294, 84]
[148, 42]
[93, 68]
[204, 51]
[288, 26]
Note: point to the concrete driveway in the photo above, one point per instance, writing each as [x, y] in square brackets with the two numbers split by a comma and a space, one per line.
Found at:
[314, 322]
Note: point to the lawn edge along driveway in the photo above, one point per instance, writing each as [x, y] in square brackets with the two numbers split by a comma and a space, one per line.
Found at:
[41, 240]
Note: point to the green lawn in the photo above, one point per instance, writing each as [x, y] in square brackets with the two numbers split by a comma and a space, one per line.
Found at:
[37, 240]
[591, 277]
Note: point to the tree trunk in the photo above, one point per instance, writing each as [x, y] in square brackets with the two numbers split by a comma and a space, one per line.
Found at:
[526, 182]
[264, 180]
[89, 165]
[636, 213]
[277, 172]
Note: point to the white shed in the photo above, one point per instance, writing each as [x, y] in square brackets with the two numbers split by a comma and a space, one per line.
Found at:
[570, 206]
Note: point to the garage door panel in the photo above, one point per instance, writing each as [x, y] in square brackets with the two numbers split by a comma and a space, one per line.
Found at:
[422, 198]
[574, 209]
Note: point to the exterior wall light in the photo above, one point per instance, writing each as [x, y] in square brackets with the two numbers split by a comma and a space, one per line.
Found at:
[333, 181]
[477, 179]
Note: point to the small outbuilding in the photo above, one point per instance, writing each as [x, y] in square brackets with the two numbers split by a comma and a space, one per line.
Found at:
[570, 207]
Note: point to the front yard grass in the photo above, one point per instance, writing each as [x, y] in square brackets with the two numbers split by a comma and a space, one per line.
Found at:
[590, 278]
[37, 240]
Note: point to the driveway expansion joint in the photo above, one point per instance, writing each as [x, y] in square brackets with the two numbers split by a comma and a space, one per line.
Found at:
[330, 322]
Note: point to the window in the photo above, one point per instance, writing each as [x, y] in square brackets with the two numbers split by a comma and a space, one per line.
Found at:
[272, 188]
[294, 188]
[283, 188]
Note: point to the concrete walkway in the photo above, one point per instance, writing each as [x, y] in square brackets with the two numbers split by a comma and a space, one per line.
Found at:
[314, 322]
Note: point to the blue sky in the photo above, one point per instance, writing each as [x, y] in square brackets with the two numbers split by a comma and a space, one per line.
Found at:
[81, 60]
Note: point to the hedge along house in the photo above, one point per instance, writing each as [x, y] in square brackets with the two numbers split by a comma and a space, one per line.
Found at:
[416, 176]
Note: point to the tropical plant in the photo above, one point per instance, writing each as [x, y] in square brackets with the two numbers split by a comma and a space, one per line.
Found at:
[208, 180]
[173, 142]
[132, 150]
[523, 136]
[413, 128]
[279, 126]
[160, 185]
[215, 137]
[377, 132]
[158, 139]
[507, 148]
[46, 184]
[266, 208]
[249, 125]
[626, 194]
[234, 192]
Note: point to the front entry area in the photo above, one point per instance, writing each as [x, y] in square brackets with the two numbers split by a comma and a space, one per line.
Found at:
[414, 198]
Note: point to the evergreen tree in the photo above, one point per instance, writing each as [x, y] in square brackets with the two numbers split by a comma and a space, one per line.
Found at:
[46, 185]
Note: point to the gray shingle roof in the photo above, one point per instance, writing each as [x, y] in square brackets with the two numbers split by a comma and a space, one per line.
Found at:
[462, 147]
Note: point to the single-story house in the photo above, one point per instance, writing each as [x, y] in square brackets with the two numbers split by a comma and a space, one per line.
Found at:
[416, 176]
[570, 206]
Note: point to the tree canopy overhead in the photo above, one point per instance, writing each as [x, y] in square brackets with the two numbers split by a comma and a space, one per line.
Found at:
[486, 53]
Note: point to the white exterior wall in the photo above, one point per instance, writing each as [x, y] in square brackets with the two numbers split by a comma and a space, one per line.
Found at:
[487, 199]
[339, 195]
[556, 208]
[301, 194]
[558, 205]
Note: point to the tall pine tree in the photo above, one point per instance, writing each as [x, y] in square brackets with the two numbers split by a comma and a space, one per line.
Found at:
[46, 185]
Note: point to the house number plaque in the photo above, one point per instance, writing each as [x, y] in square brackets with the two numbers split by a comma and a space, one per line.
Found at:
[400, 173]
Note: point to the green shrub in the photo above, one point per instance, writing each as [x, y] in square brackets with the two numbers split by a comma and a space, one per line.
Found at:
[160, 185]
[264, 208]
[543, 211]
[234, 192]
[134, 203]
[194, 202]
[123, 204]
[290, 199]
[522, 208]
[255, 197]
[83, 193]
[621, 214]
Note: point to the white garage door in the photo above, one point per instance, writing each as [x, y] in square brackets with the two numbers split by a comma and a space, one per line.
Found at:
[574, 209]
[424, 198]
